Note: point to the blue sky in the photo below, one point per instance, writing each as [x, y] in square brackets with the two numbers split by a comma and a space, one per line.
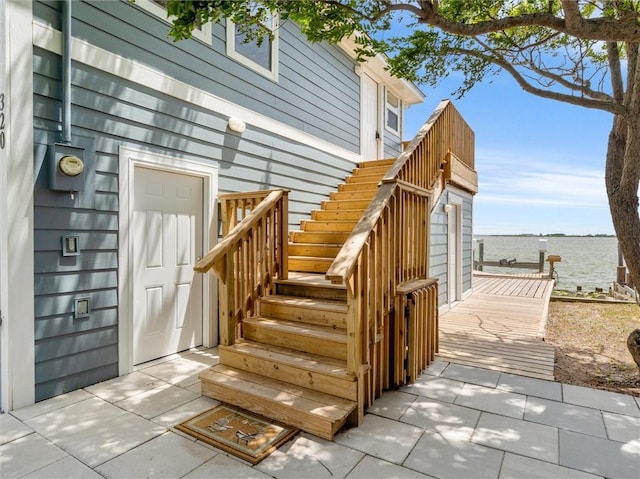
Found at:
[540, 162]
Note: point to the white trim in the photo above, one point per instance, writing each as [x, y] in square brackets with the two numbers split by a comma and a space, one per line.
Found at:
[81, 51]
[16, 210]
[394, 109]
[467, 294]
[444, 308]
[272, 73]
[129, 159]
[457, 201]
[406, 90]
[204, 33]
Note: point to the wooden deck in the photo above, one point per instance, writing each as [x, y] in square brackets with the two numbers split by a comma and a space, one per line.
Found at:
[501, 326]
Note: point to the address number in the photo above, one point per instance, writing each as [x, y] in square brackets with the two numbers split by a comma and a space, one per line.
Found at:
[2, 122]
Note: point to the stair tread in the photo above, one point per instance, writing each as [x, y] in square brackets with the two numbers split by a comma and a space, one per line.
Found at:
[326, 406]
[317, 280]
[291, 357]
[339, 306]
[306, 329]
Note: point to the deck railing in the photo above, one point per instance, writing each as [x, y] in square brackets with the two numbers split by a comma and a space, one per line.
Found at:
[251, 255]
[388, 249]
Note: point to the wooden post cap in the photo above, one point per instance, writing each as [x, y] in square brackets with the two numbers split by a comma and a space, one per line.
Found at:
[554, 258]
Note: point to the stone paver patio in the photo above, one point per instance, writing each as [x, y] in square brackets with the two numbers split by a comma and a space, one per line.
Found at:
[455, 422]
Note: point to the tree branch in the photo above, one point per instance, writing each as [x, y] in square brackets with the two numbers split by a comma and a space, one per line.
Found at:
[613, 57]
[608, 106]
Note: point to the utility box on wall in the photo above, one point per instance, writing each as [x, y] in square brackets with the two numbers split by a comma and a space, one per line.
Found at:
[66, 167]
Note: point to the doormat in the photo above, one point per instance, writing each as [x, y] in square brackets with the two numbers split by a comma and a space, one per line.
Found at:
[242, 433]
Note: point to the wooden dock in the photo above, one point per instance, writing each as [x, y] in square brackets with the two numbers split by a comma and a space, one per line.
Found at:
[501, 326]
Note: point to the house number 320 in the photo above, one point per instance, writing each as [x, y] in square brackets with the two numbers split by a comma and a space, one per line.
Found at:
[2, 134]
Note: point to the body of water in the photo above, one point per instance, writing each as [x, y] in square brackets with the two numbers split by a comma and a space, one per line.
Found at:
[589, 262]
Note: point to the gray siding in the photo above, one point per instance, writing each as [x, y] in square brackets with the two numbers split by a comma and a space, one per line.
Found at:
[109, 112]
[439, 254]
[317, 92]
[392, 144]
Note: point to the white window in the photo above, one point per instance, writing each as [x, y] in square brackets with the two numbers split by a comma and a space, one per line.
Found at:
[392, 112]
[158, 8]
[262, 57]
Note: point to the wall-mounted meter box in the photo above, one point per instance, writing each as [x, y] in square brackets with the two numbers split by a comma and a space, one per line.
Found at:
[66, 167]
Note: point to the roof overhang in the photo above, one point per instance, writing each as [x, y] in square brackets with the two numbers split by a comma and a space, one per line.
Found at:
[407, 91]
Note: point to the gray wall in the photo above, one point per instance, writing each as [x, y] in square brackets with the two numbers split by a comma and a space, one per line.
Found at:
[439, 253]
[317, 93]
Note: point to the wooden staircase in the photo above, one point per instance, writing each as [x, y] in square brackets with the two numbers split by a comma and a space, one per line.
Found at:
[315, 324]
[290, 364]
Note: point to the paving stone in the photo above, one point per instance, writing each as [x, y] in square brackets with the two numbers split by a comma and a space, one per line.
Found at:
[109, 438]
[565, 416]
[122, 387]
[166, 456]
[380, 437]
[371, 467]
[622, 428]
[530, 386]
[436, 367]
[599, 399]
[447, 458]
[180, 369]
[307, 456]
[392, 404]
[185, 411]
[612, 459]
[223, 466]
[450, 420]
[27, 454]
[74, 418]
[52, 404]
[157, 401]
[521, 467]
[517, 436]
[12, 429]
[469, 374]
[492, 400]
[66, 468]
[437, 388]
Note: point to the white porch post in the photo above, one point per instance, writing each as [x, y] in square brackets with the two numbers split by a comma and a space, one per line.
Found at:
[17, 366]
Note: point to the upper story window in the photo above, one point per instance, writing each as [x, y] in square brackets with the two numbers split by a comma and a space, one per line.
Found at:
[261, 57]
[392, 115]
[159, 8]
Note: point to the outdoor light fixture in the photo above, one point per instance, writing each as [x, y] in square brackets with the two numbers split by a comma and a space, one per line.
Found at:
[236, 124]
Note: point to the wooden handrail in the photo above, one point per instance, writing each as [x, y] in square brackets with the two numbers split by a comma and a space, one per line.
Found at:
[213, 257]
[389, 248]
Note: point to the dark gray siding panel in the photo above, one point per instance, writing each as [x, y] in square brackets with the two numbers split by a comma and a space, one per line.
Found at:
[467, 240]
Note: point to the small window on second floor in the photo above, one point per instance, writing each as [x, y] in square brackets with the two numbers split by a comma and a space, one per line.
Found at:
[392, 116]
[261, 57]
[159, 9]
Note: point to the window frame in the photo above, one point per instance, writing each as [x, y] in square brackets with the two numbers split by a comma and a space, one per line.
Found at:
[204, 33]
[397, 110]
[272, 73]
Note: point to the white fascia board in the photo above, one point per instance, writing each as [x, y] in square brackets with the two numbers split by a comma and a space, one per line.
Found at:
[50, 39]
[407, 91]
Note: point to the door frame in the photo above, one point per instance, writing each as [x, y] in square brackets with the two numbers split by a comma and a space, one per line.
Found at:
[454, 214]
[129, 160]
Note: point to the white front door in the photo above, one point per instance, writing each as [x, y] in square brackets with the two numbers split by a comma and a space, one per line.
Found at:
[167, 239]
[370, 140]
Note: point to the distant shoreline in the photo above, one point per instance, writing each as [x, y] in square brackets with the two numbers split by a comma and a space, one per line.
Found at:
[550, 235]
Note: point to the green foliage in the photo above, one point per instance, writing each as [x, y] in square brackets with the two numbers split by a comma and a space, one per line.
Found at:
[422, 42]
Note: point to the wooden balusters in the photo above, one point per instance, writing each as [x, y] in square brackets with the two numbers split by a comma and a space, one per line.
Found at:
[250, 256]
